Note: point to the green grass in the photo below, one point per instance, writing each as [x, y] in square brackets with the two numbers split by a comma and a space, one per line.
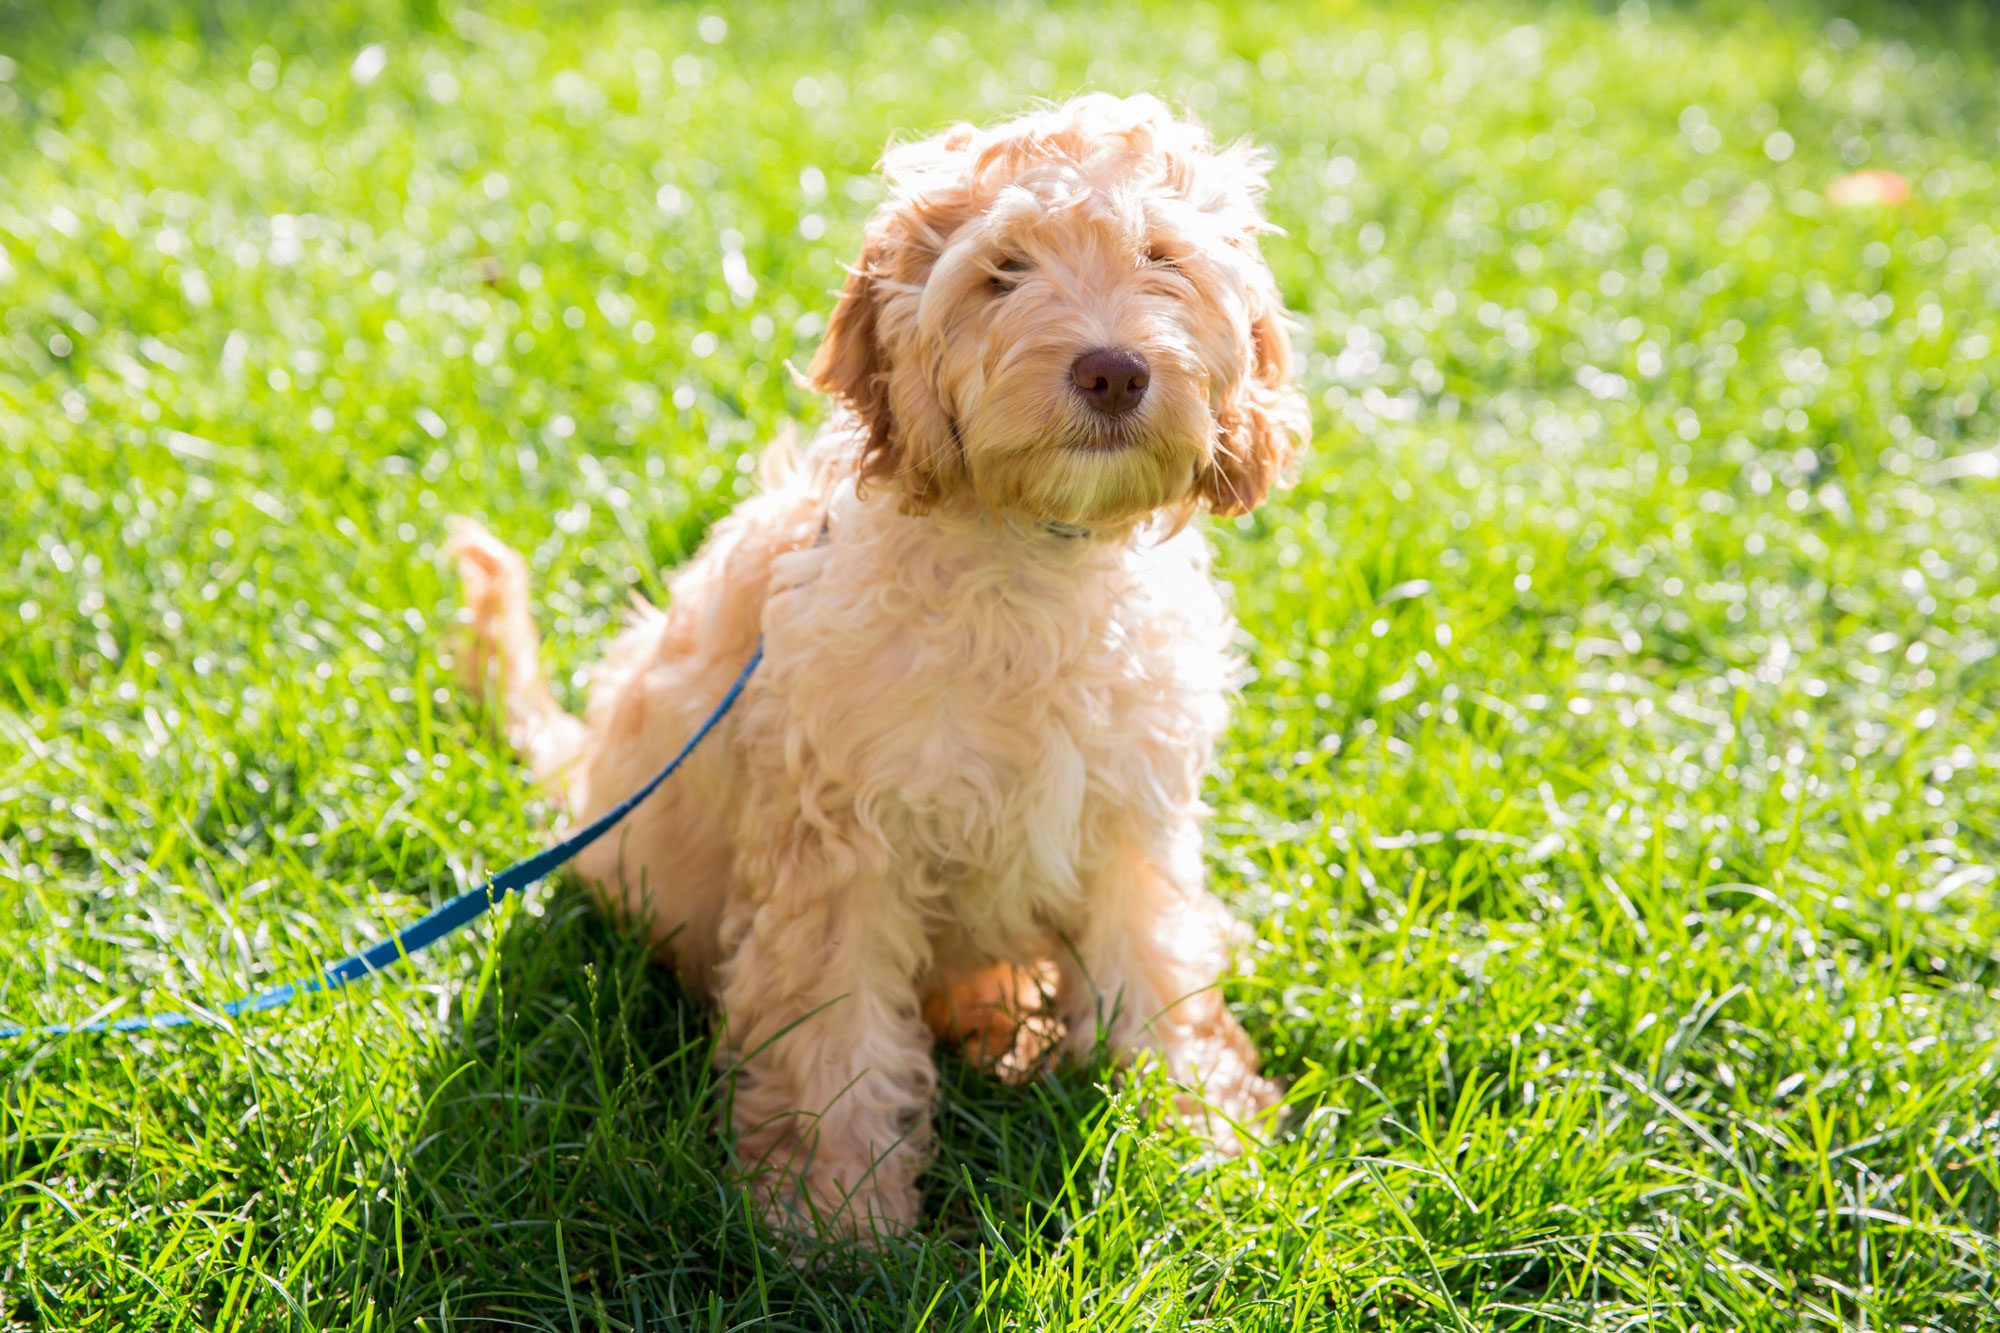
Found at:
[1617, 802]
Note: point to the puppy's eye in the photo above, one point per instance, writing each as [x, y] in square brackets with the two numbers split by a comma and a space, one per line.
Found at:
[1006, 274]
[1159, 258]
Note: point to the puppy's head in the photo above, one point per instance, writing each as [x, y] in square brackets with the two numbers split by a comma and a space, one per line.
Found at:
[1066, 316]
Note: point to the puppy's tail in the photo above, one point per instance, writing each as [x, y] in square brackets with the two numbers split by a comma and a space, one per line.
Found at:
[501, 653]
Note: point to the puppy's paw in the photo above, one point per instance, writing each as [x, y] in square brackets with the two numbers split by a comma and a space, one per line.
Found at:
[818, 1210]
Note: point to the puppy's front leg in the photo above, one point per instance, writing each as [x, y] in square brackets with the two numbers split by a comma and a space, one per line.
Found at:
[835, 1078]
[1142, 972]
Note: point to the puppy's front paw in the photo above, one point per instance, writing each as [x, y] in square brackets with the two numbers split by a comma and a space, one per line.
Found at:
[819, 1206]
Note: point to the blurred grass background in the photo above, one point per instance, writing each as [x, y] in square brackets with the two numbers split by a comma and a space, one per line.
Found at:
[1615, 803]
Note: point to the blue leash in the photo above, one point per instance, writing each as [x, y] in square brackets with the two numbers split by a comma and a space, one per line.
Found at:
[433, 926]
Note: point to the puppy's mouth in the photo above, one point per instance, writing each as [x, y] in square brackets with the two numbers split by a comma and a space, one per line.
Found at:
[1105, 437]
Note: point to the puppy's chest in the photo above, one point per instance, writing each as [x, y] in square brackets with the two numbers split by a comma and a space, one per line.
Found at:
[1002, 754]
[979, 737]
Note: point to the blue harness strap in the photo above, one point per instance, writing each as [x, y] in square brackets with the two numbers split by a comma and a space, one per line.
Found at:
[433, 926]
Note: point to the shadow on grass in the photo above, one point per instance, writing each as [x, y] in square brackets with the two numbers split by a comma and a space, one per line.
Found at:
[573, 1165]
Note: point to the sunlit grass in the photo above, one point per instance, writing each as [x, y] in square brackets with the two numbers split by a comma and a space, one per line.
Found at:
[1617, 802]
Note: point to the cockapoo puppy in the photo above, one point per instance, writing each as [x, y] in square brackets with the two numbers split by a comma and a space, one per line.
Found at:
[995, 661]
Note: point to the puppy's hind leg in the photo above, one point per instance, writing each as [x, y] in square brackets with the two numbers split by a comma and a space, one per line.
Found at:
[996, 1016]
[502, 651]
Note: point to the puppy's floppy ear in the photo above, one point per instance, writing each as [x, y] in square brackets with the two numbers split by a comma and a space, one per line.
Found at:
[849, 363]
[869, 358]
[1260, 425]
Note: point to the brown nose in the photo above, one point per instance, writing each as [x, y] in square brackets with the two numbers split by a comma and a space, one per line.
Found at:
[1111, 378]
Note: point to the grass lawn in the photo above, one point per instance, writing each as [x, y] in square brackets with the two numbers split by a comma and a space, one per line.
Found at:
[1616, 803]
